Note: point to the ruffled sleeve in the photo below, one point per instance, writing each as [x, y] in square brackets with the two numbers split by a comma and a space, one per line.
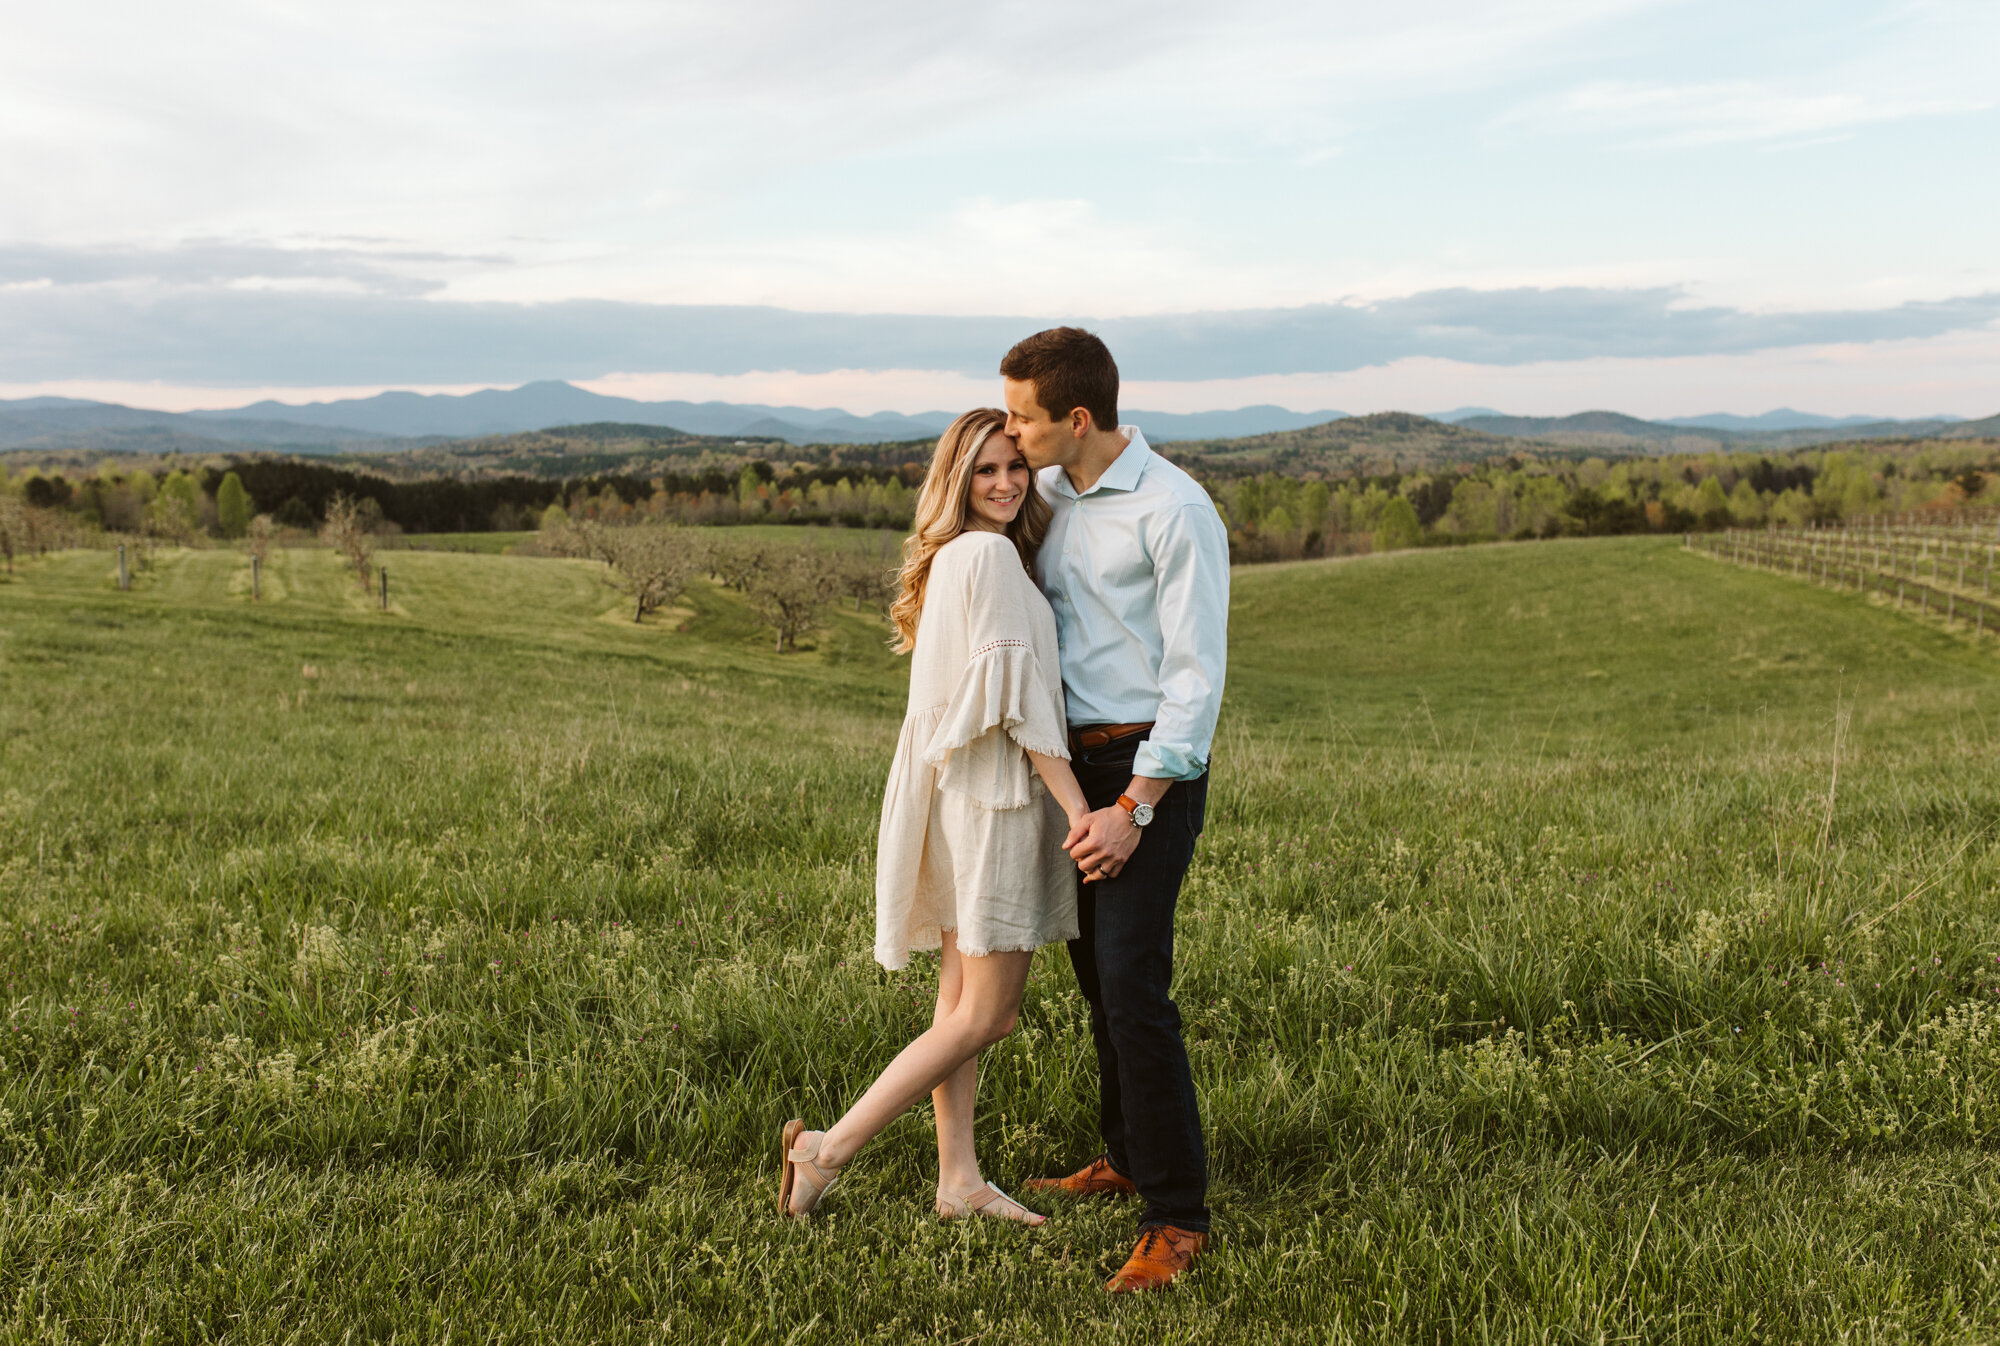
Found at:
[1005, 700]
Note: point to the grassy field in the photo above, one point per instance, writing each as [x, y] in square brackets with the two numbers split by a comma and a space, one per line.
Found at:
[1590, 942]
[874, 541]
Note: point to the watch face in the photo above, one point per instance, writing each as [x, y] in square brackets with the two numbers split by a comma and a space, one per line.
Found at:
[1142, 814]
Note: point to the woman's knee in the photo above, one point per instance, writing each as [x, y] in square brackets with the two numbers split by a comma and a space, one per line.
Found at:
[983, 1025]
[999, 1025]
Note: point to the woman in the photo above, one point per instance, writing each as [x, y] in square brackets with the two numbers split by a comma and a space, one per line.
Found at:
[979, 799]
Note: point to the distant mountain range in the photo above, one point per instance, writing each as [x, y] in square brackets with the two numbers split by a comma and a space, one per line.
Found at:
[45, 422]
[1784, 418]
[401, 420]
[1695, 434]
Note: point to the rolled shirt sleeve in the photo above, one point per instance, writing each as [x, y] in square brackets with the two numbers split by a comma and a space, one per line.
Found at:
[1190, 553]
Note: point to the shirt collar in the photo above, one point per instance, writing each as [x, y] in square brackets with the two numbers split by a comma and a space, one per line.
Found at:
[1124, 472]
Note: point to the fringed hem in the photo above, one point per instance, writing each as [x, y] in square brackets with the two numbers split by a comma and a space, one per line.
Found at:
[1001, 689]
[896, 960]
[1046, 748]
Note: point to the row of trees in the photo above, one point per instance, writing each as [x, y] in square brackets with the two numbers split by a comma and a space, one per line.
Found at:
[787, 586]
[1271, 515]
[875, 499]
[183, 504]
[173, 507]
[1275, 517]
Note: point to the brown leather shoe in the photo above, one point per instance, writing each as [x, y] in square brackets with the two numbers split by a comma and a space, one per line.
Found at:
[1096, 1178]
[1164, 1252]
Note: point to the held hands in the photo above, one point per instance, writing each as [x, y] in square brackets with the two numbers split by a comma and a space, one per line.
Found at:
[1102, 842]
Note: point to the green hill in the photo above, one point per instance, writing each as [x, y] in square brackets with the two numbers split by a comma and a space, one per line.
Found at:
[1587, 940]
[1389, 441]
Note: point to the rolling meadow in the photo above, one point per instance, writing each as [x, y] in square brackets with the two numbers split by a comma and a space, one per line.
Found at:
[1590, 941]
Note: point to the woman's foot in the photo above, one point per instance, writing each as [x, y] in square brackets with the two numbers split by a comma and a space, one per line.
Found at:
[987, 1200]
[802, 1179]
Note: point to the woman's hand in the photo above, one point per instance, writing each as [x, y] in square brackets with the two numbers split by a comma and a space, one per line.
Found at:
[1102, 842]
[1055, 774]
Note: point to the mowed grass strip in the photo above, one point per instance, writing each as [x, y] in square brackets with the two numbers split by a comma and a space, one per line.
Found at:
[447, 971]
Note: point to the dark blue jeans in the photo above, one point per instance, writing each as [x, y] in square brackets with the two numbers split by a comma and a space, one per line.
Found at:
[1124, 961]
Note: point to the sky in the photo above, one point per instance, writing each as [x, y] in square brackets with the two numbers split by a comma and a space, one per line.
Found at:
[1667, 207]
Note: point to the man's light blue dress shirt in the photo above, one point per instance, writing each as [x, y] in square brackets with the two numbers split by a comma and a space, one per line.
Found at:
[1137, 570]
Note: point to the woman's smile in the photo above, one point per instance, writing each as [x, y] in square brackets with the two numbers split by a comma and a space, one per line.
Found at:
[1000, 482]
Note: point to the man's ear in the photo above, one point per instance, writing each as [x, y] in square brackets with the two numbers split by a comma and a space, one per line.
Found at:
[1079, 422]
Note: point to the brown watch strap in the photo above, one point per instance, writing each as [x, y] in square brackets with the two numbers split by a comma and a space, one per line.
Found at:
[1127, 802]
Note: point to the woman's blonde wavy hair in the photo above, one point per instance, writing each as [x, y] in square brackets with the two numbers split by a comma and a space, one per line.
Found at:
[944, 503]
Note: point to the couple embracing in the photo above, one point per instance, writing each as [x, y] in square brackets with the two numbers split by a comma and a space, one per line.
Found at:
[1065, 601]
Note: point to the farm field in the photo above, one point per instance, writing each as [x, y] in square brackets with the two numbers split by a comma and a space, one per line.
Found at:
[1590, 941]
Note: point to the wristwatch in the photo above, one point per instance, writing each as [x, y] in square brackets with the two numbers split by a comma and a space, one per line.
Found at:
[1141, 813]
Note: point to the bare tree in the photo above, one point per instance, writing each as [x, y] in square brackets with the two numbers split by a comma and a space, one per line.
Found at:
[263, 531]
[13, 527]
[739, 565]
[346, 531]
[864, 578]
[581, 539]
[654, 564]
[791, 592]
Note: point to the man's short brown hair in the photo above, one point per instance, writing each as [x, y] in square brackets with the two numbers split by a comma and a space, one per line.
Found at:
[1070, 368]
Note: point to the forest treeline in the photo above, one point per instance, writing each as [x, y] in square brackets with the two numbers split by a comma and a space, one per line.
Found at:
[1275, 516]
[1272, 514]
[182, 503]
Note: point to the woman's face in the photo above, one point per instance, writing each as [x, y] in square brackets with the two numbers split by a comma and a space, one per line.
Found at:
[1000, 482]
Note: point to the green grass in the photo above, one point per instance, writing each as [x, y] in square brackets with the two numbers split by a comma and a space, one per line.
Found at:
[446, 972]
[871, 540]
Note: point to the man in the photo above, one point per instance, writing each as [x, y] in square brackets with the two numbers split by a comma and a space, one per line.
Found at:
[1136, 566]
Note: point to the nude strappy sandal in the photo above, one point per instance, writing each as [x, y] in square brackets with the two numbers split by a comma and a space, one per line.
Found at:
[799, 1168]
[982, 1201]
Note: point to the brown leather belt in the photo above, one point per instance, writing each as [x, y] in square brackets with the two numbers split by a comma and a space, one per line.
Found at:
[1097, 735]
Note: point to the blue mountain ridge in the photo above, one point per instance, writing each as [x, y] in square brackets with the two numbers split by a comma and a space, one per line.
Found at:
[375, 422]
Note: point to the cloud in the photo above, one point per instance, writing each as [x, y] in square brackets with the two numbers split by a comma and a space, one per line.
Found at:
[223, 336]
[208, 262]
[1722, 111]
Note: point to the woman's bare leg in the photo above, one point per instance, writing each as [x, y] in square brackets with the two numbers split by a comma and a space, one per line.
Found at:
[955, 1100]
[989, 998]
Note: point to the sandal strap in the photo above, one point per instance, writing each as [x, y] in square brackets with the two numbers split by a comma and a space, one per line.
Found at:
[979, 1199]
[806, 1170]
[805, 1159]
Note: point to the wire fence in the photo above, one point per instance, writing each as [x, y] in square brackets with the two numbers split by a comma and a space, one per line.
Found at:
[1923, 561]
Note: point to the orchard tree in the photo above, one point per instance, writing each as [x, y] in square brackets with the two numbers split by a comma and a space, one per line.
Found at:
[863, 578]
[739, 565]
[655, 564]
[347, 533]
[13, 527]
[262, 531]
[790, 594]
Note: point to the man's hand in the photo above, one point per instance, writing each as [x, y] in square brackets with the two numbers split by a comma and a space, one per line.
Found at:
[1102, 842]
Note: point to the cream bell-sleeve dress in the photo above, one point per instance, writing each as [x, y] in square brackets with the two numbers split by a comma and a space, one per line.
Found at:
[971, 839]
